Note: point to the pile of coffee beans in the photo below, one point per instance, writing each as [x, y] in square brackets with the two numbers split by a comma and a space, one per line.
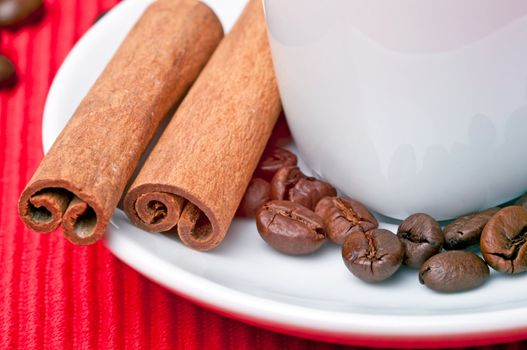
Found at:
[283, 199]
[296, 214]
[13, 15]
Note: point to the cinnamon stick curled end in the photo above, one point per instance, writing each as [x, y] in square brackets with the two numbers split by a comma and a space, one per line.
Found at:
[165, 210]
[157, 211]
[79, 182]
[211, 146]
[45, 208]
[194, 228]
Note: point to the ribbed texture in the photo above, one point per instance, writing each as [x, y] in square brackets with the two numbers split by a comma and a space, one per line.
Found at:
[54, 295]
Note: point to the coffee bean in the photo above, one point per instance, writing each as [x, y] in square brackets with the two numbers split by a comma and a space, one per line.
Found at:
[466, 230]
[290, 184]
[284, 180]
[309, 191]
[522, 201]
[257, 194]
[373, 256]
[273, 160]
[453, 271]
[504, 240]
[344, 216]
[422, 237]
[15, 12]
[7, 72]
[290, 228]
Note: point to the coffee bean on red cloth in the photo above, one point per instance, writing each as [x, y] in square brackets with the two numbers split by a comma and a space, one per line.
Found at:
[7, 73]
[421, 236]
[453, 271]
[373, 256]
[344, 216]
[257, 194]
[290, 228]
[16, 12]
[466, 230]
[504, 240]
[273, 160]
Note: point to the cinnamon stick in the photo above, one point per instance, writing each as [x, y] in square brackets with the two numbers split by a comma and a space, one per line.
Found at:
[209, 150]
[80, 181]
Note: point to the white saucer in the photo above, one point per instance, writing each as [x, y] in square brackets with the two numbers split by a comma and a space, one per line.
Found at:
[311, 296]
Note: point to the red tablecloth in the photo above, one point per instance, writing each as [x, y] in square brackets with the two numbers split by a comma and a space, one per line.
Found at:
[54, 295]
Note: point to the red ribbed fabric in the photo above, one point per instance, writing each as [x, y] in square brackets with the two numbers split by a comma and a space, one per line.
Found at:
[54, 295]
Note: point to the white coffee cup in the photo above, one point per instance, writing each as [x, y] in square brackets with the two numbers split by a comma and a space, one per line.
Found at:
[407, 105]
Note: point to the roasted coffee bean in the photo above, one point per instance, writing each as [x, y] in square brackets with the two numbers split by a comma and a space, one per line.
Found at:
[290, 228]
[257, 194]
[16, 12]
[273, 160]
[290, 184]
[466, 230]
[284, 180]
[7, 72]
[373, 256]
[344, 216]
[453, 271]
[309, 191]
[422, 237]
[522, 202]
[504, 240]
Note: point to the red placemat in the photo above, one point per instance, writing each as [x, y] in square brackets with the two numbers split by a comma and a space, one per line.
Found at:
[54, 295]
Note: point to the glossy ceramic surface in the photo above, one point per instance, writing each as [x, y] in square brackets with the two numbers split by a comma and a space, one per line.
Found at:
[409, 106]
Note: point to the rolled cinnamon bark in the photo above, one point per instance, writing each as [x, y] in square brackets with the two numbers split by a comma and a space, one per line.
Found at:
[209, 150]
[80, 181]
